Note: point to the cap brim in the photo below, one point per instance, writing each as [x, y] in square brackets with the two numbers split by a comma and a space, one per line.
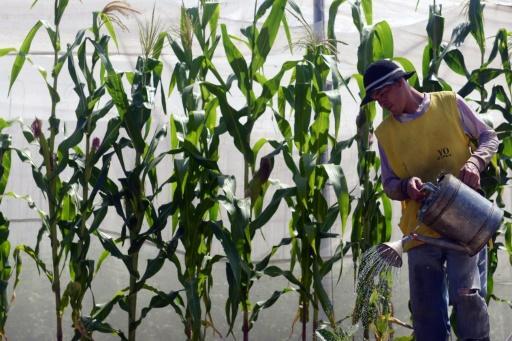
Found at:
[368, 98]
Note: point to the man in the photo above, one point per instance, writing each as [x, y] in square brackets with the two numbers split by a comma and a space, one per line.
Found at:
[427, 134]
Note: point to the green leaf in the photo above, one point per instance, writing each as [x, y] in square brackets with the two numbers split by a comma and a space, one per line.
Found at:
[32, 254]
[333, 12]
[455, 61]
[388, 214]
[365, 54]
[159, 45]
[110, 245]
[383, 46]
[267, 303]
[323, 297]
[476, 19]
[161, 300]
[5, 169]
[271, 208]
[110, 137]
[339, 183]
[268, 34]
[61, 7]
[6, 51]
[230, 250]
[22, 53]
[113, 82]
[284, 126]
[478, 79]
[110, 28]
[302, 103]
[368, 10]
[236, 61]
[435, 29]
[357, 19]
[231, 118]
[274, 271]
[101, 311]
[288, 34]
[408, 66]
[101, 259]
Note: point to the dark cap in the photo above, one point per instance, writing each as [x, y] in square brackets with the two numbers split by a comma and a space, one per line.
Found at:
[379, 74]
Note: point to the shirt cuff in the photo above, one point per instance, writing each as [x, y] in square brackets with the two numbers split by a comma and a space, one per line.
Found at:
[479, 163]
[403, 187]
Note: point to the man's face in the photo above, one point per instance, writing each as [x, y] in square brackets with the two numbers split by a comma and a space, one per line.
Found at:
[389, 97]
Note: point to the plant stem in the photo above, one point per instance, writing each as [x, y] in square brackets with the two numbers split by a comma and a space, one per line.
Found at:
[56, 275]
[134, 256]
[52, 204]
[245, 327]
[77, 311]
[315, 318]
[132, 299]
[304, 318]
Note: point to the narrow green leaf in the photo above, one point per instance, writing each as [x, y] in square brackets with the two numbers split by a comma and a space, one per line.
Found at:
[333, 12]
[302, 103]
[476, 19]
[231, 118]
[368, 10]
[110, 28]
[383, 46]
[104, 255]
[22, 53]
[6, 51]
[339, 182]
[455, 61]
[113, 81]
[236, 61]
[61, 7]
[268, 34]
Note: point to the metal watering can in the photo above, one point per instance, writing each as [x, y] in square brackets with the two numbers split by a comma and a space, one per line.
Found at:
[465, 219]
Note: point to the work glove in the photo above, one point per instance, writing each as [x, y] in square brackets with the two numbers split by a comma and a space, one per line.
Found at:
[414, 186]
[470, 175]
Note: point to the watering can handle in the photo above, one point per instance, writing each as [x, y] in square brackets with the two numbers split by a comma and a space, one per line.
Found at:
[429, 188]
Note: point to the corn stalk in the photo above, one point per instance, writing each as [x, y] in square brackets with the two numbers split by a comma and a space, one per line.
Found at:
[196, 171]
[243, 213]
[47, 175]
[132, 200]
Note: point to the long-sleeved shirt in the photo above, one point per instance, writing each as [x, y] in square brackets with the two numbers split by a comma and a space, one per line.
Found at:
[474, 127]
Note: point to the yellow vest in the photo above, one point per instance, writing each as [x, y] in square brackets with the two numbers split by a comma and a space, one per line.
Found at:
[424, 147]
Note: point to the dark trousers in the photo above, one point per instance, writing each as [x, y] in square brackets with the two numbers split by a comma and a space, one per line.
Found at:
[438, 277]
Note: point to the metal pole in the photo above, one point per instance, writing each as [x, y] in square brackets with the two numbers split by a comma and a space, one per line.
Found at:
[325, 244]
[318, 19]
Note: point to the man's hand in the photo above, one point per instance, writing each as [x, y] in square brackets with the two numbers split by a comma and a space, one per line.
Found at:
[414, 186]
[470, 175]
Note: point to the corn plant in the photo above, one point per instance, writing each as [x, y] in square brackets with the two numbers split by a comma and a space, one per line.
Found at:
[132, 200]
[87, 175]
[371, 219]
[307, 137]
[196, 171]
[499, 99]
[47, 175]
[6, 269]
[244, 214]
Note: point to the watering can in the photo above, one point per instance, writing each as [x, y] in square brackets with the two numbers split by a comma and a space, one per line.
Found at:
[464, 218]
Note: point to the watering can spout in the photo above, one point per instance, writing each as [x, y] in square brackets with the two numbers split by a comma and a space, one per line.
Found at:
[442, 242]
[391, 252]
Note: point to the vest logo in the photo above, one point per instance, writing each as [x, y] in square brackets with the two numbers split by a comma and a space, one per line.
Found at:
[443, 153]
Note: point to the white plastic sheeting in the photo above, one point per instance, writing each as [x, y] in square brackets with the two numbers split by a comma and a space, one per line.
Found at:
[29, 98]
